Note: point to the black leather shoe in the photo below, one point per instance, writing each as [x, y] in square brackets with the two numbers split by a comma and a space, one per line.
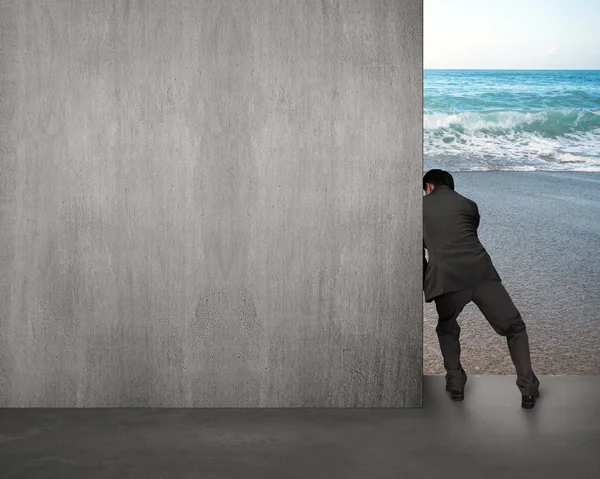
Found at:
[457, 394]
[527, 402]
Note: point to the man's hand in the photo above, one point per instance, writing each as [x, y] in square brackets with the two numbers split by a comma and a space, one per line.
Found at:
[424, 266]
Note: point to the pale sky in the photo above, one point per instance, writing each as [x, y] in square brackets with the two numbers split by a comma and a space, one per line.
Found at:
[512, 34]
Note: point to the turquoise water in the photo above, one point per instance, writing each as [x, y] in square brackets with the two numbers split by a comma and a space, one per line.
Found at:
[502, 120]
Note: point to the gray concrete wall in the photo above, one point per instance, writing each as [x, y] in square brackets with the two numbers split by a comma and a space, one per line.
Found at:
[211, 203]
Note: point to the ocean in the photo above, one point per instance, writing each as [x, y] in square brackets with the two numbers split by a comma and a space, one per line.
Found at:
[501, 120]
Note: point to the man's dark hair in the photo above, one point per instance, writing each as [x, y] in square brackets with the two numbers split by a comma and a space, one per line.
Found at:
[438, 178]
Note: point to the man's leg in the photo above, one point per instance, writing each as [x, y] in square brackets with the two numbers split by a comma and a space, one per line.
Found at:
[496, 305]
[449, 306]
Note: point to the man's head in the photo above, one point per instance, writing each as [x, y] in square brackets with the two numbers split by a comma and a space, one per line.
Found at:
[435, 178]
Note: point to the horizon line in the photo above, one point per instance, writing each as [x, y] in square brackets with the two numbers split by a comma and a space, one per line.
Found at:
[519, 69]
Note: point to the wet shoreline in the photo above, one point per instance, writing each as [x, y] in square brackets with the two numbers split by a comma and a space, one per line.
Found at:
[542, 231]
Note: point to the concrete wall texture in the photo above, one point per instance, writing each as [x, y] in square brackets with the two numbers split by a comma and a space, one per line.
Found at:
[211, 203]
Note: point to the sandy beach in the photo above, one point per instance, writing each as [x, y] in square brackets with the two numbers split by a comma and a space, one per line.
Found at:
[542, 230]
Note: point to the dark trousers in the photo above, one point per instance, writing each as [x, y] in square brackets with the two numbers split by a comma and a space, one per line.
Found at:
[494, 302]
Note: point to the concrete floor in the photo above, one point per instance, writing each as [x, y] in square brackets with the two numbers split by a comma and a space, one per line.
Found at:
[488, 435]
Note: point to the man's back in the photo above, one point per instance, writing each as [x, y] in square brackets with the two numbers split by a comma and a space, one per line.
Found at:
[457, 259]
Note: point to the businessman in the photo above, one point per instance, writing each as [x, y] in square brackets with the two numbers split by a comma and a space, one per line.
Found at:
[459, 271]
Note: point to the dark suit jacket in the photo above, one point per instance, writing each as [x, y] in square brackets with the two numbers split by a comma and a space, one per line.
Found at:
[457, 259]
